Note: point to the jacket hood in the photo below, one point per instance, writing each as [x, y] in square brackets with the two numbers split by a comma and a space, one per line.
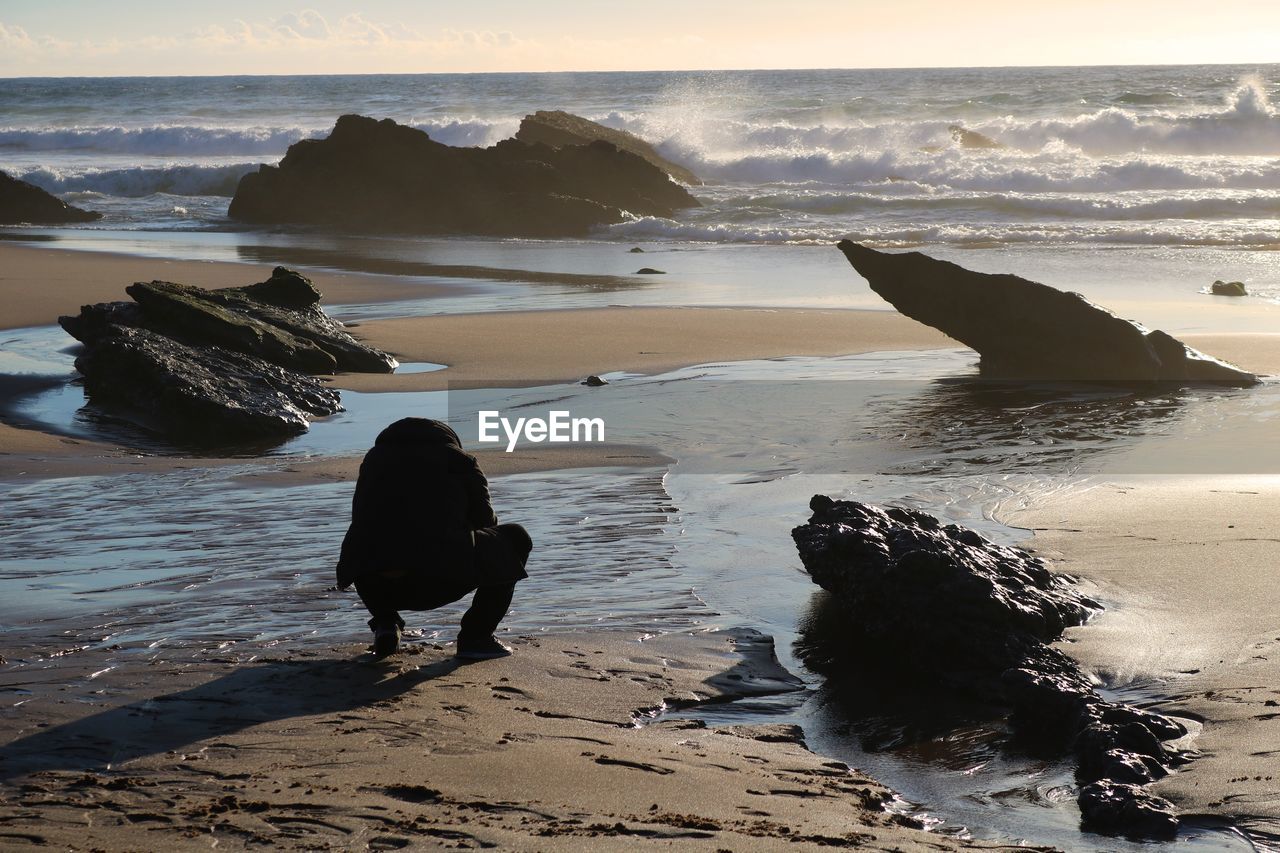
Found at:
[418, 431]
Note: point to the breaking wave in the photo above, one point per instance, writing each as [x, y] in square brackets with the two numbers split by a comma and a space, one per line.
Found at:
[142, 181]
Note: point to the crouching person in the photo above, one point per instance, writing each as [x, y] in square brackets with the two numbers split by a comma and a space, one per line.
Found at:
[423, 534]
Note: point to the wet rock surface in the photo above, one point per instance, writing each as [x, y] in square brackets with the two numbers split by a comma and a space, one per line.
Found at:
[558, 128]
[939, 601]
[1228, 288]
[1026, 330]
[370, 175]
[24, 203]
[203, 393]
[218, 365]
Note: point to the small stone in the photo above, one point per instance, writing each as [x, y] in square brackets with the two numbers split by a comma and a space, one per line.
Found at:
[1229, 288]
[650, 271]
[1114, 808]
[594, 381]
[636, 250]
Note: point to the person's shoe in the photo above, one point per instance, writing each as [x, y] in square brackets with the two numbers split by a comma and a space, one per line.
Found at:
[486, 649]
[386, 640]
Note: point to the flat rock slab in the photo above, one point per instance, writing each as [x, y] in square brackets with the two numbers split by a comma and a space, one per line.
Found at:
[1027, 330]
[218, 366]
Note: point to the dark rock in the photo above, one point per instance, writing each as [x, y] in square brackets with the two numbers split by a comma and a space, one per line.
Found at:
[943, 597]
[595, 381]
[954, 607]
[636, 250]
[24, 203]
[1126, 768]
[557, 129]
[1116, 808]
[373, 175]
[966, 138]
[278, 320]
[650, 271]
[184, 314]
[1026, 330]
[218, 365]
[288, 301]
[206, 393]
[1229, 288]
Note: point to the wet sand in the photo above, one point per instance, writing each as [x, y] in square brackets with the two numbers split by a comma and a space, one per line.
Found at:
[38, 284]
[329, 749]
[543, 347]
[1188, 569]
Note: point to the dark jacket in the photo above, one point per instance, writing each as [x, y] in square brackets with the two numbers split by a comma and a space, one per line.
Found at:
[418, 499]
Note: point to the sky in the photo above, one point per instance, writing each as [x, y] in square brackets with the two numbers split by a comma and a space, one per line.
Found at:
[97, 38]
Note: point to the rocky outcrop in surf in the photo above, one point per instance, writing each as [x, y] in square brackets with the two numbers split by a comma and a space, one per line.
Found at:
[22, 203]
[370, 175]
[558, 129]
[218, 366]
[966, 138]
[1228, 288]
[939, 601]
[1027, 330]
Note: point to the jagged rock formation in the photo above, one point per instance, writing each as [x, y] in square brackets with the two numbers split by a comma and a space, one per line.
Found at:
[976, 616]
[218, 365]
[370, 175]
[1026, 330]
[966, 138]
[558, 128]
[24, 203]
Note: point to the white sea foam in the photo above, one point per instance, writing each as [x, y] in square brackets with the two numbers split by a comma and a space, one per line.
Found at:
[1157, 156]
[172, 140]
[141, 181]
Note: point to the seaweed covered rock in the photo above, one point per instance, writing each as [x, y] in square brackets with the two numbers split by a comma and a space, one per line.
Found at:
[24, 203]
[1026, 330]
[558, 128]
[943, 602]
[213, 365]
[370, 175]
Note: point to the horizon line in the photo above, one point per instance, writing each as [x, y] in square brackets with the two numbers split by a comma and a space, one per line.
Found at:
[1047, 66]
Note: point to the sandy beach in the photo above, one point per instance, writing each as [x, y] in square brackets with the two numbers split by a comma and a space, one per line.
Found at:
[555, 747]
[181, 748]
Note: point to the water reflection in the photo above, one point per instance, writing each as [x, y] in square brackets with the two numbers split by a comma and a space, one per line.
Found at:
[356, 257]
[965, 424]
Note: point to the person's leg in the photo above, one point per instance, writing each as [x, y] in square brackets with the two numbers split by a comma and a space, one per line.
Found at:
[381, 596]
[488, 607]
[501, 554]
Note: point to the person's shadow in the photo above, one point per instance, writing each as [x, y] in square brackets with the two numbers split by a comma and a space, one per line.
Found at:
[247, 696]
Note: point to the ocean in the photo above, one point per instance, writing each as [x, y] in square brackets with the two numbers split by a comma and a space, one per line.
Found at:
[1156, 156]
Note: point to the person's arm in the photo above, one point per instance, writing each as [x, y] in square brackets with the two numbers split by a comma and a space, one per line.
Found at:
[479, 505]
